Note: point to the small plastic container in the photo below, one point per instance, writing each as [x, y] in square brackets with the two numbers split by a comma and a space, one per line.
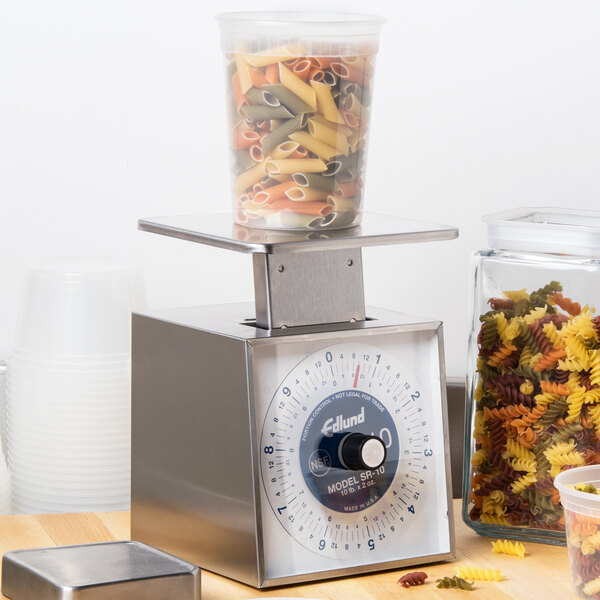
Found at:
[582, 521]
[299, 89]
[533, 397]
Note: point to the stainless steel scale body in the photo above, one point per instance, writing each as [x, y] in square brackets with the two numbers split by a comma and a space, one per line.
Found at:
[302, 442]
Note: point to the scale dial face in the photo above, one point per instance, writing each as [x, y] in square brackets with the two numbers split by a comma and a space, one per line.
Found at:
[346, 514]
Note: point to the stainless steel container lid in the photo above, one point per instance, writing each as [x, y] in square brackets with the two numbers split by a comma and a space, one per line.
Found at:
[115, 570]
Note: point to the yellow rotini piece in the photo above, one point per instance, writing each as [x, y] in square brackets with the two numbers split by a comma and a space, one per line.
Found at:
[478, 393]
[498, 496]
[592, 587]
[592, 396]
[580, 326]
[525, 357]
[569, 364]
[513, 329]
[534, 359]
[595, 367]
[516, 450]
[492, 507]
[526, 387]
[479, 427]
[545, 398]
[478, 457]
[493, 519]
[577, 350]
[535, 314]
[516, 295]
[593, 413]
[479, 573]
[552, 334]
[524, 464]
[502, 323]
[590, 543]
[575, 401]
[575, 540]
[574, 381]
[523, 482]
[507, 547]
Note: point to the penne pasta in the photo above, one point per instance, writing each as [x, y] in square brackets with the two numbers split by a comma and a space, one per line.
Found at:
[302, 69]
[358, 62]
[245, 139]
[244, 161]
[275, 192]
[283, 150]
[352, 104]
[330, 78]
[253, 210]
[321, 149]
[243, 73]
[318, 209]
[350, 119]
[282, 133]
[298, 137]
[256, 153]
[325, 102]
[329, 136]
[343, 204]
[300, 152]
[316, 75]
[314, 180]
[262, 97]
[298, 87]
[289, 99]
[305, 194]
[350, 189]
[348, 72]
[257, 112]
[339, 220]
[343, 129]
[287, 166]
[276, 55]
[248, 178]
[272, 73]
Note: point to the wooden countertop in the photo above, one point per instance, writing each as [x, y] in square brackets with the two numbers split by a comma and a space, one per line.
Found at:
[543, 573]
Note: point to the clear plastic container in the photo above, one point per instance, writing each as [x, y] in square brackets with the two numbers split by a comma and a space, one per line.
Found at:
[533, 397]
[582, 523]
[299, 89]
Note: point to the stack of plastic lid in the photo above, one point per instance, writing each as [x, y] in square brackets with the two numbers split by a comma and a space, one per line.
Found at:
[68, 387]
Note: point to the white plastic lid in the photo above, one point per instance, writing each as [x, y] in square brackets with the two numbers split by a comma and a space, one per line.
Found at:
[314, 33]
[548, 230]
[581, 502]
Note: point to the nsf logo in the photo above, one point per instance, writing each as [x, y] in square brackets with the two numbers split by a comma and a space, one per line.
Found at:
[319, 463]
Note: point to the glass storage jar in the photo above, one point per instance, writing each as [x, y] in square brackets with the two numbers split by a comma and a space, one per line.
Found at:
[533, 392]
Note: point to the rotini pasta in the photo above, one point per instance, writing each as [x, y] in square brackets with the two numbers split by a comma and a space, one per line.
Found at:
[583, 542]
[537, 406]
[479, 574]
[506, 547]
[454, 582]
[413, 578]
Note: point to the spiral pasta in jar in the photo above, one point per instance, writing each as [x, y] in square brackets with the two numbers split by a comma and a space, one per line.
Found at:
[299, 89]
[533, 402]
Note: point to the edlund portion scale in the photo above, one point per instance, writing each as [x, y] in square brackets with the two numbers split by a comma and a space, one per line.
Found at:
[307, 442]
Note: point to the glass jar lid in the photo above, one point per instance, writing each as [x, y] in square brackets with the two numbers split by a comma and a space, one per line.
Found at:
[547, 230]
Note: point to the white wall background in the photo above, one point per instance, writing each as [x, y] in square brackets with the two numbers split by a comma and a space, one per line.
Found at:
[113, 109]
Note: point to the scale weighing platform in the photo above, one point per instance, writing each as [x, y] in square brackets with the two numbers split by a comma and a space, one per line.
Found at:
[306, 442]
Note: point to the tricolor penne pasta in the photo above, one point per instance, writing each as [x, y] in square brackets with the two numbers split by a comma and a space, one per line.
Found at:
[298, 137]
